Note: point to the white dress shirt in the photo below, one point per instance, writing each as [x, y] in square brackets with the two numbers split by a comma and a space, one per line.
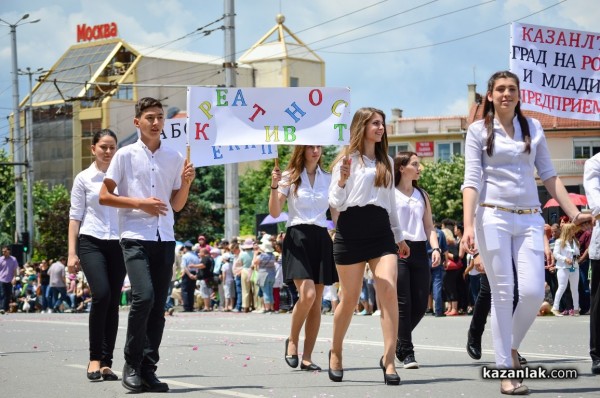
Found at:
[507, 178]
[139, 173]
[591, 183]
[308, 204]
[101, 222]
[410, 215]
[360, 190]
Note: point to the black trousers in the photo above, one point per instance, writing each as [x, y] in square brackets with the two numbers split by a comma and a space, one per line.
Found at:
[150, 267]
[103, 266]
[595, 311]
[188, 291]
[413, 292]
[7, 292]
[482, 308]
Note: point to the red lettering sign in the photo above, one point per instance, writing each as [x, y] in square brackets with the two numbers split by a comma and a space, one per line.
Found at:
[97, 32]
[425, 148]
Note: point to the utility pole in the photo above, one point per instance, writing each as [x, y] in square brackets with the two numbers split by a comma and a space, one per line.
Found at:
[18, 139]
[29, 240]
[232, 193]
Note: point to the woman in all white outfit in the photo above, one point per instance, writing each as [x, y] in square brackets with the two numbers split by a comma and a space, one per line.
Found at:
[502, 210]
[566, 252]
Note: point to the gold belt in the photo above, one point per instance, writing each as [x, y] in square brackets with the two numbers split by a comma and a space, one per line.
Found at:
[514, 211]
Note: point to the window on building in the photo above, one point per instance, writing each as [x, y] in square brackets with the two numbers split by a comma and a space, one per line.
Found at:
[445, 150]
[421, 130]
[124, 92]
[393, 150]
[585, 149]
[453, 130]
[294, 82]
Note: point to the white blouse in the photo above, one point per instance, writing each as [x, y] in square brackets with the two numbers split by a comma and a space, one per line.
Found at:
[561, 255]
[410, 215]
[360, 190]
[308, 204]
[507, 178]
[591, 183]
[101, 222]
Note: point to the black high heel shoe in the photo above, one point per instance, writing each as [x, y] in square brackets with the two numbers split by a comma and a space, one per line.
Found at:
[291, 360]
[335, 375]
[391, 379]
[95, 375]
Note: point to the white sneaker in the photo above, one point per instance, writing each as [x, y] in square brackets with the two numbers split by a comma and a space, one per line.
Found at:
[377, 313]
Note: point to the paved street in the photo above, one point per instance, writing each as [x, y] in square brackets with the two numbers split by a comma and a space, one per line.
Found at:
[241, 355]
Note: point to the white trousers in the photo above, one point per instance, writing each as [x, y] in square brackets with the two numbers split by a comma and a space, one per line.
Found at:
[565, 277]
[504, 238]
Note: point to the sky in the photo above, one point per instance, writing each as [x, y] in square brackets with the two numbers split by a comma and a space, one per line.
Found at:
[416, 55]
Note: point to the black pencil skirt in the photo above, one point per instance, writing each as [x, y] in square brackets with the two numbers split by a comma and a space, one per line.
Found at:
[308, 254]
[363, 233]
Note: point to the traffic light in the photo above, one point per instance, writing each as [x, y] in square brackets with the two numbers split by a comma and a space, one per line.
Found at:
[25, 242]
[16, 250]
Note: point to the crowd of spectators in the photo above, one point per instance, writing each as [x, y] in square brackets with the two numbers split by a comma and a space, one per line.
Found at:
[224, 281]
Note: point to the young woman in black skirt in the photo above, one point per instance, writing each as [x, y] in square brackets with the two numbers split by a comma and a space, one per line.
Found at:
[307, 247]
[362, 190]
[414, 214]
[94, 245]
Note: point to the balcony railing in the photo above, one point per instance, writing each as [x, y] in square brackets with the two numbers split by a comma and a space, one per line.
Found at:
[568, 166]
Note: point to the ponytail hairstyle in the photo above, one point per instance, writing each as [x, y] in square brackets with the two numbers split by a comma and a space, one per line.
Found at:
[489, 112]
[402, 159]
[358, 127]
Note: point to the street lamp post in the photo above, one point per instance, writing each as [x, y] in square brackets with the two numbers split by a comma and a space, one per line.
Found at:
[18, 139]
[29, 160]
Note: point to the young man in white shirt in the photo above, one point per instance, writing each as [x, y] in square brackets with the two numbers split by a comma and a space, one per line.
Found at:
[153, 181]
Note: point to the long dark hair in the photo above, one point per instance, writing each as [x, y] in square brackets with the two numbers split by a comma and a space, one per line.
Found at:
[297, 164]
[401, 160]
[489, 112]
[358, 127]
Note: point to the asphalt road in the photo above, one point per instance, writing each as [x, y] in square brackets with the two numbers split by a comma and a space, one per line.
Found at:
[241, 355]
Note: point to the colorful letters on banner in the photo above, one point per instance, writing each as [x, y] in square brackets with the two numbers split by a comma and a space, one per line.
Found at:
[270, 116]
[202, 151]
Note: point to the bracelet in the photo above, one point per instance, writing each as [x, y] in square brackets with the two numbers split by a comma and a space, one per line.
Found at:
[475, 255]
[575, 218]
[275, 187]
[437, 249]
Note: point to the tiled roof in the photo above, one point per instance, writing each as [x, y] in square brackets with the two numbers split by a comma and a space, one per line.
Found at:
[548, 122]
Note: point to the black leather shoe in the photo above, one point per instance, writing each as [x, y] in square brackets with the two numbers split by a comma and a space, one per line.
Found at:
[95, 375]
[522, 360]
[150, 383]
[108, 375]
[311, 367]
[131, 378]
[596, 367]
[335, 375]
[291, 360]
[474, 350]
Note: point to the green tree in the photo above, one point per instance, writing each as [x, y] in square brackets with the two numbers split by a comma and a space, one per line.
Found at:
[442, 180]
[201, 213]
[52, 212]
[7, 200]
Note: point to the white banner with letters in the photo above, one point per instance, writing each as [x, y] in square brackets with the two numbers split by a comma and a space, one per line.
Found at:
[202, 149]
[559, 70]
[270, 116]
